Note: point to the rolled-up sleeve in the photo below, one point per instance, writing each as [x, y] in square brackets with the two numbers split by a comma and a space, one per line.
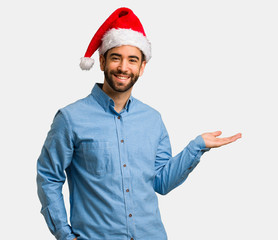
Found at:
[55, 157]
[173, 171]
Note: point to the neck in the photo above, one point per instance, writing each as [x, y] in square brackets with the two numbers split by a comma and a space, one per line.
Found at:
[120, 98]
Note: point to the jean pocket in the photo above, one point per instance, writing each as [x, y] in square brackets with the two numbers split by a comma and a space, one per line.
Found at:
[97, 156]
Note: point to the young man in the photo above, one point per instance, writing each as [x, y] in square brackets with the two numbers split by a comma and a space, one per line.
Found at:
[114, 149]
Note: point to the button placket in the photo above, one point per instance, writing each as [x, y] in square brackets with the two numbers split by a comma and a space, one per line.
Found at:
[125, 175]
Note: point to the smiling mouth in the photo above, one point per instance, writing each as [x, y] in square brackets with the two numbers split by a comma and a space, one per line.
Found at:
[121, 77]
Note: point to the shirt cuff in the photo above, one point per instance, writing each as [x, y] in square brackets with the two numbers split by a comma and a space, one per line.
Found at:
[197, 148]
[65, 233]
[197, 144]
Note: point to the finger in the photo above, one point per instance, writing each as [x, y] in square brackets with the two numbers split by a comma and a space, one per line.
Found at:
[231, 139]
[237, 136]
[216, 134]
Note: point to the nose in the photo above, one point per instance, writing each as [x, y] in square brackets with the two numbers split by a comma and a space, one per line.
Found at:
[123, 66]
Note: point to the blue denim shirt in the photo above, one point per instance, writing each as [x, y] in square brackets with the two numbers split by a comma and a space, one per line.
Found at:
[114, 163]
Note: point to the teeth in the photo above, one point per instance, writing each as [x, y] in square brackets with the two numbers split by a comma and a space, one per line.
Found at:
[122, 77]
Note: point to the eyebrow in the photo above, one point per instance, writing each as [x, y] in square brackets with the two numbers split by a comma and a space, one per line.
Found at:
[115, 54]
[119, 55]
[134, 57]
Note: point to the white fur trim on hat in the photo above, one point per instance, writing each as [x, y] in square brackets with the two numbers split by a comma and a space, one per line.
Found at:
[86, 63]
[119, 37]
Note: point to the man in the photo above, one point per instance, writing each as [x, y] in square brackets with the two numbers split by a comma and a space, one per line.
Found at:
[114, 149]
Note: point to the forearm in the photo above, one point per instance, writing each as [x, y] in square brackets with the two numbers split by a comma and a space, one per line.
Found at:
[53, 207]
[177, 168]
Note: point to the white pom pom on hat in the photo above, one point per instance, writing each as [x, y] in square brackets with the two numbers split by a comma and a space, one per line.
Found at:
[86, 63]
[122, 27]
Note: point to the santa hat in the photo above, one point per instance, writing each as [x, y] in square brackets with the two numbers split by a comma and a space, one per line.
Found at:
[122, 27]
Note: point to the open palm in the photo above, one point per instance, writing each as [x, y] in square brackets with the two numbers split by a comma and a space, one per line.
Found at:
[212, 139]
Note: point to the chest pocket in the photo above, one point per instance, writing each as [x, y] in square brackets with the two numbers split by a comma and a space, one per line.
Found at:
[98, 157]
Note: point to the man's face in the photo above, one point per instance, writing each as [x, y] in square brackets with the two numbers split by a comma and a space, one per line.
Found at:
[122, 67]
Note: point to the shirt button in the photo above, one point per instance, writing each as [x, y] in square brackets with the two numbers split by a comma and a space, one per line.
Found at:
[122, 141]
[130, 215]
[127, 190]
[124, 165]
[119, 117]
[132, 239]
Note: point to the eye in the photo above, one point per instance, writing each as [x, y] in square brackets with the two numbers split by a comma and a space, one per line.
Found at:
[115, 58]
[133, 60]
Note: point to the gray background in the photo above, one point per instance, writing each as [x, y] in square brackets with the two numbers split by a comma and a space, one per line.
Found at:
[214, 67]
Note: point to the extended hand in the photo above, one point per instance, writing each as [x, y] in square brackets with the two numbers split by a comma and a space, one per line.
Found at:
[212, 141]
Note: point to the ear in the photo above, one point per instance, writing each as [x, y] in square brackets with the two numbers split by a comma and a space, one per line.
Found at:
[102, 62]
[142, 68]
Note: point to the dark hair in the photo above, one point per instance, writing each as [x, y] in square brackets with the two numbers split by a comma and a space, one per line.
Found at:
[142, 55]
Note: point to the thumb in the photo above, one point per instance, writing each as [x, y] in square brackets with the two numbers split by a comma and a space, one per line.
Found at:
[216, 134]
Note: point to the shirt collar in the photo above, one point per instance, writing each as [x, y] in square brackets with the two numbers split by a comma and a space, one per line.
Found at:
[104, 100]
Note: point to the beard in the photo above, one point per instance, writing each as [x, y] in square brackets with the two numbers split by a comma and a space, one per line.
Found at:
[117, 86]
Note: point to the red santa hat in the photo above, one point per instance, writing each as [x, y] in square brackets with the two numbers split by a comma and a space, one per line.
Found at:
[122, 27]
